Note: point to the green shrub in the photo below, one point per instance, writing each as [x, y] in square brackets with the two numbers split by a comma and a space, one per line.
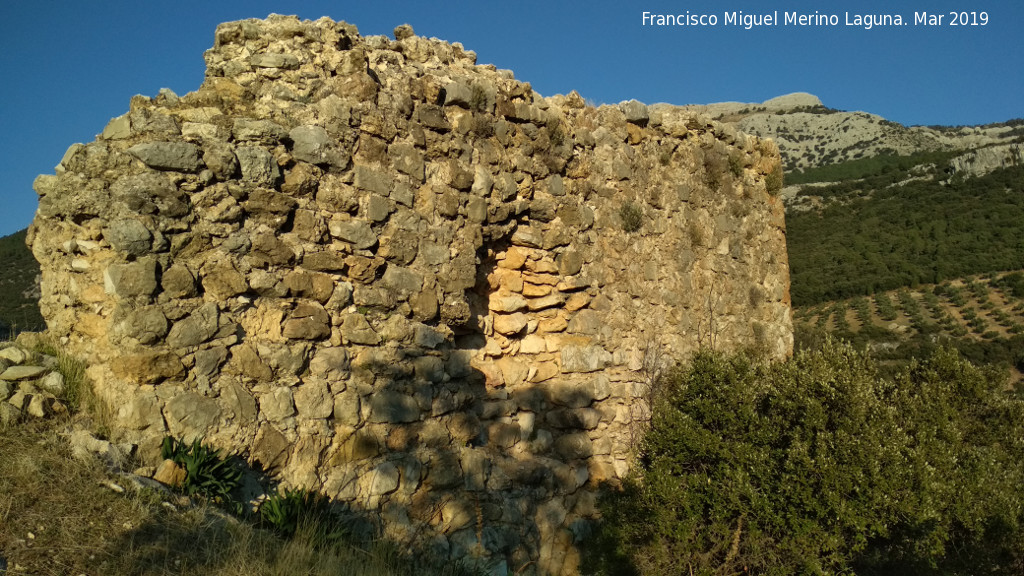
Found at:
[1012, 284]
[311, 514]
[715, 166]
[478, 99]
[820, 465]
[886, 310]
[736, 161]
[206, 473]
[773, 181]
[632, 216]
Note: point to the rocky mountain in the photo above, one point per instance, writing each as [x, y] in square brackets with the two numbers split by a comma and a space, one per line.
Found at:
[810, 134]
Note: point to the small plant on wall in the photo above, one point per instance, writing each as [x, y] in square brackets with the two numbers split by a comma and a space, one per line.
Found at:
[773, 182]
[207, 473]
[632, 216]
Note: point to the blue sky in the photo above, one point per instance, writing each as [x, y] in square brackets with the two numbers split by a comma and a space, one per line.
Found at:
[68, 67]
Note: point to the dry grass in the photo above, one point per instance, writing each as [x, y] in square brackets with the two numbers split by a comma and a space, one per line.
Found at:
[58, 517]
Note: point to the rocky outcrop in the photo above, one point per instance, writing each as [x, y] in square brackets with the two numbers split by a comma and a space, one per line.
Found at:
[384, 272]
[809, 134]
[988, 159]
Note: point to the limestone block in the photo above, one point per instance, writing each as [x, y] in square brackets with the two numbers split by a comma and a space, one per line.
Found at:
[117, 129]
[528, 236]
[330, 363]
[247, 362]
[148, 366]
[549, 301]
[585, 322]
[9, 414]
[551, 325]
[542, 266]
[513, 371]
[355, 232]
[147, 325]
[324, 261]
[536, 291]
[393, 407]
[266, 60]
[131, 279]
[278, 404]
[269, 448]
[371, 180]
[574, 418]
[170, 474]
[574, 446]
[403, 281]
[376, 208]
[533, 344]
[308, 321]
[258, 166]
[476, 465]
[312, 144]
[52, 383]
[503, 434]
[190, 416]
[444, 470]
[176, 156]
[178, 282]
[355, 329]
[457, 514]
[22, 372]
[577, 301]
[426, 336]
[510, 323]
[196, 328]
[220, 158]
[223, 281]
[544, 371]
[506, 303]
[237, 402]
[584, 358]
[314, 400]
[129, 236]
[13, 355]
[430, 368]
[407, 160]
[347, 408]
[381, 480]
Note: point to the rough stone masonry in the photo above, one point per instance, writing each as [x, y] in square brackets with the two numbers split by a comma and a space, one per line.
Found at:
[384, 272]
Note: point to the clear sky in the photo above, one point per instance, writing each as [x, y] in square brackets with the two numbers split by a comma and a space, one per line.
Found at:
[70, 66]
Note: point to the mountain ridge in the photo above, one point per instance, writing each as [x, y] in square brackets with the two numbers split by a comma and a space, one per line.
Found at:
[811, 134]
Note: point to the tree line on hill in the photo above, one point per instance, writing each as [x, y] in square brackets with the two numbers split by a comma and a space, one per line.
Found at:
[874, 236]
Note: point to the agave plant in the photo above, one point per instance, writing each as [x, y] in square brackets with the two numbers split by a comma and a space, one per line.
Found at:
[207, 472]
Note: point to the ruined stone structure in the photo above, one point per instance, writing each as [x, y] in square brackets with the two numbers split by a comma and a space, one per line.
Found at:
[405, 280]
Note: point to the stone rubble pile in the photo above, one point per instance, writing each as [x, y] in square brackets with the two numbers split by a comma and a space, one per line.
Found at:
[384, 272]
[30, 385]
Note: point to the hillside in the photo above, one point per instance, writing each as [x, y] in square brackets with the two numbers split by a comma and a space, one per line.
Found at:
[810, 134]
[872, 205]
[981, 316]
[19, 292]
[902, 228]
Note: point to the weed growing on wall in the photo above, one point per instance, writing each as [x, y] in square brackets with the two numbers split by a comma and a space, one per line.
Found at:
[632, 216]
[207, 473]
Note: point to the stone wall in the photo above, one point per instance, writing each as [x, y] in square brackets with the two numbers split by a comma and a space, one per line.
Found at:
[384, 272]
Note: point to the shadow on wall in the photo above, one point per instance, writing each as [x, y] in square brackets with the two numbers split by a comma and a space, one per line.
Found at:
[439, 462]
[416, 501]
